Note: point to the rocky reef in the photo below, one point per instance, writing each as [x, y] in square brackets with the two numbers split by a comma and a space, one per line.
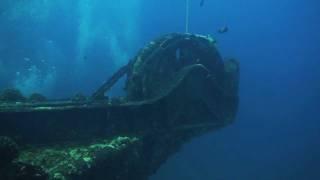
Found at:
[178, 87]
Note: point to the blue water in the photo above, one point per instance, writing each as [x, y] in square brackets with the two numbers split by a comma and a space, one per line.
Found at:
[60, 48]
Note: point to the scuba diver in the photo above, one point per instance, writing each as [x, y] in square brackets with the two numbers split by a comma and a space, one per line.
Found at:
[201, 3]
[221, 30]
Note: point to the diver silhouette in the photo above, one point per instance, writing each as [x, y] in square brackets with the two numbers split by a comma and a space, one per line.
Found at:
[201, 3]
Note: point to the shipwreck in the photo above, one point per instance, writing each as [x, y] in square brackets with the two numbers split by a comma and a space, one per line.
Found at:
[177, 87]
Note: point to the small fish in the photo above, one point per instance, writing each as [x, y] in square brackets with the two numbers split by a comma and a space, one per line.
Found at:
[26, 59]
[223, 29]
[201, 3]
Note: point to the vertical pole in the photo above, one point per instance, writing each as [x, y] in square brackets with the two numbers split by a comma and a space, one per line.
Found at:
[187, 16]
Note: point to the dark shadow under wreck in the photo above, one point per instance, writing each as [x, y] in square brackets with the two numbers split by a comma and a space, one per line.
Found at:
[177, 88]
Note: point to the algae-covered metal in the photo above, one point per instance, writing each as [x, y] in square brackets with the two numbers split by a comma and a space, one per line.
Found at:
[177, 87]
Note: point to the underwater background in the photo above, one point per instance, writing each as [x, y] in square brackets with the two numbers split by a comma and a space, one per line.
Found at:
[60, 48]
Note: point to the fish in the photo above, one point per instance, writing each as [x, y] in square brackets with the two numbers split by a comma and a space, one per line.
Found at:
[223, 29]
[201, 3]
[26, 59]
